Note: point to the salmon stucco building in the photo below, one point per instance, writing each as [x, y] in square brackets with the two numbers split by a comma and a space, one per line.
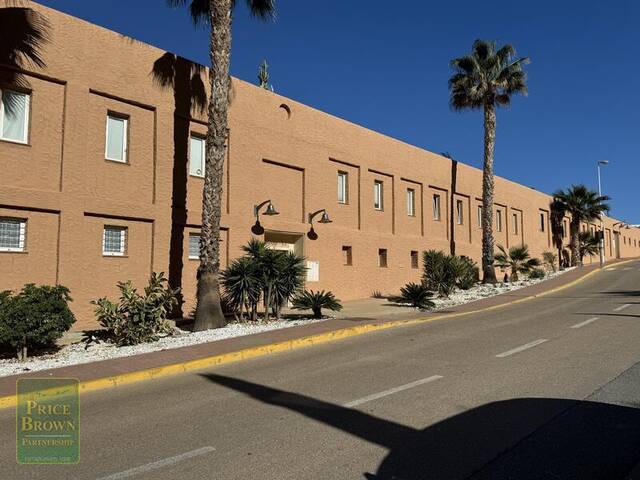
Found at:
[102, 165]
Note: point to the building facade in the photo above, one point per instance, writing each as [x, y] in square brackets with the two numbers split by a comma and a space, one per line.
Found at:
[102, 162]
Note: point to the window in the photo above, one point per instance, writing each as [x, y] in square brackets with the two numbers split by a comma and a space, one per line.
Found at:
[116, 148]
[414, 259]
[114, 241]
[382, 257]
[377, 195]
[196, 156]
[411, 202]
[542, 222]
[194, 246]
[436, 207]
[347, 258]
[479, 215]
[515, 223]
[499, 220]
[14, 116]
[343, 187]
[459, 212]
[12, 234]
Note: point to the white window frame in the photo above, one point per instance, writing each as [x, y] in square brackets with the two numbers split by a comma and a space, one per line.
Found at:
[123, 240]
[343, 189]
[22, 240]
[436, 207]
[125, 138]
[27, 114]
[204, 148]
[498, 220]
[192, 257]
[378, 195]
[459, 212]
[411, 202]
[480, 216]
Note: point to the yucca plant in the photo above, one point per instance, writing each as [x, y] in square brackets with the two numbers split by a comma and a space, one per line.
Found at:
[440, 272]
[289, 280]
[417, 295]
[316, 301]
[550, 259]
[242, 285]
[517, 259]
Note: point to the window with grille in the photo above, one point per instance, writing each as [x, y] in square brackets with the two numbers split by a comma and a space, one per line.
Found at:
[14, 116]
[194, 246]
[114, 241]
[12, 234]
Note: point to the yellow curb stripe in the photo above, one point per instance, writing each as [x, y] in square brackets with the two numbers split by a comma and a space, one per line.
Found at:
[263, 350]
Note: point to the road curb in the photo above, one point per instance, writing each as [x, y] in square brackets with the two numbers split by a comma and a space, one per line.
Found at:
[293, 344]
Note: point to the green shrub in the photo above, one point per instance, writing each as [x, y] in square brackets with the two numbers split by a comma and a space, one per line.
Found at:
[316, 301]
[517, 259]
[137, 318]
[417, 295]
[441, 272]
[537, 273]
[35, 317]
[550, 259]
[468, 273]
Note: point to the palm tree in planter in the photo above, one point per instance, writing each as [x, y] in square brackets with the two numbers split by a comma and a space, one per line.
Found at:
[316, 301]
[588, 244]
[517, 259]
[217, 14]
[584, 205]
[486, 79]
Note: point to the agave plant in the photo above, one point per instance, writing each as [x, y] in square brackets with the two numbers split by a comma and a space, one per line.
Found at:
[417, 295]
[442, 272]
[316, 301]
[517, 259]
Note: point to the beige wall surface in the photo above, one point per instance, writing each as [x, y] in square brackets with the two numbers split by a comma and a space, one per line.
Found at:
[278, 149]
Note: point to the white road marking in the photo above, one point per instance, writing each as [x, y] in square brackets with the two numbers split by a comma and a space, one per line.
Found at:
[522, 348]
[391, 391]
[628, 268]
[622, 307]
[586, 322]
[610, 269]
[159, 464]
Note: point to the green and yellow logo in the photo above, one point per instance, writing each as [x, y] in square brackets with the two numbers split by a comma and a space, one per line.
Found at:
[48, 421]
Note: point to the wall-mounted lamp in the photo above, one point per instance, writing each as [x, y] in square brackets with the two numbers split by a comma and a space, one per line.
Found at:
[311, 234]
[258, 229]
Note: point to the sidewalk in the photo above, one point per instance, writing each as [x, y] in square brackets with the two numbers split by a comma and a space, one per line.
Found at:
[119, 371]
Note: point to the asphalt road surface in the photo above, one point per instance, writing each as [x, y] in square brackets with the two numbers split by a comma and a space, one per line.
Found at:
[545, 389]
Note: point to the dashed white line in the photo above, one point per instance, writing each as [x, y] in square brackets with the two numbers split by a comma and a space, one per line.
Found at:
[628, 268]
[391, 391]
[622, 307]
[586, 322]
[159, 464]
[522, 348]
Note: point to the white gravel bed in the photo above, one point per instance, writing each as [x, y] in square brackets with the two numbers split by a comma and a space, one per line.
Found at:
[76, 353]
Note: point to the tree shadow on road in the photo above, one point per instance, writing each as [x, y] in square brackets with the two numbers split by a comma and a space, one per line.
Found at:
[524, 439]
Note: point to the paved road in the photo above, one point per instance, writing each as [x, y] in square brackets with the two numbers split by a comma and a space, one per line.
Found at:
[547, 389]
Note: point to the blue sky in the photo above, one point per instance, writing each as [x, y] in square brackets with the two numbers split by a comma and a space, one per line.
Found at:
[387, 69]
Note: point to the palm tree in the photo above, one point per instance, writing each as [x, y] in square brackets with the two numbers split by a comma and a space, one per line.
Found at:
[23, 33]
[517, 259]
[289, 280]
[217, 14]
[588, 244]
[584, 205]
[486, 79]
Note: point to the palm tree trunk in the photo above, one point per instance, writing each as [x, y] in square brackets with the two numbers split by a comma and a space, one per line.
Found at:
[575, 243]
[489, 272]
[209, 312]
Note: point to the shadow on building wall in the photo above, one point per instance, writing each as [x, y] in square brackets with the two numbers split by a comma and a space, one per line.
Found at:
[184, 78]
[524, 439]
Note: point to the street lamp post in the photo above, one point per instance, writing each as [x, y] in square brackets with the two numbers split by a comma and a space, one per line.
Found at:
[601, 243]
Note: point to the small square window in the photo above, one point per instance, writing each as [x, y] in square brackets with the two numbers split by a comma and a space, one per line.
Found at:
[459, 212]
[347, 255]
[116, 138]
[382, 257]
[194, 246]
[114, 241]
[196, 156]
[411, 202]
[343, 187]
[415, 263]
[14, 116]
[378, 195]
[436, 207]
[13, 233]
